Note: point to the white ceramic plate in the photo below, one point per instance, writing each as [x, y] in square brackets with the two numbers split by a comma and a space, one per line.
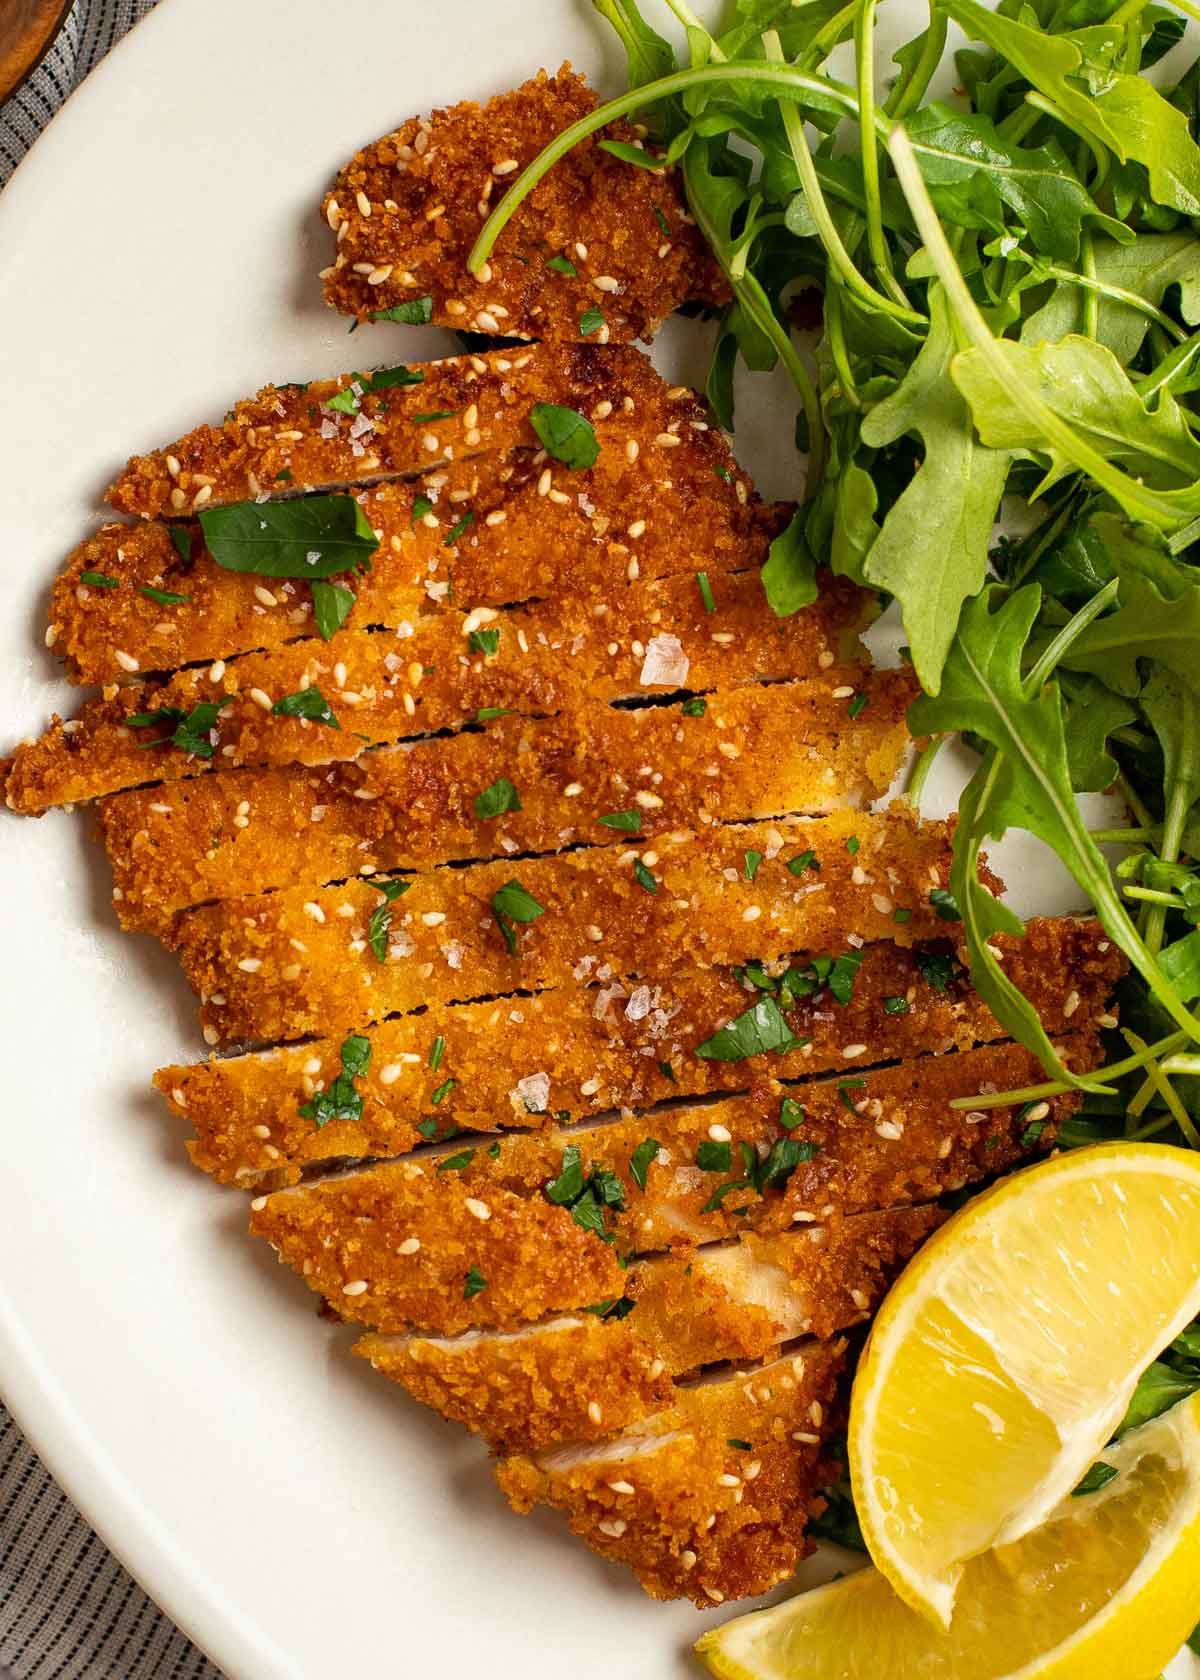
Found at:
[298, 1516]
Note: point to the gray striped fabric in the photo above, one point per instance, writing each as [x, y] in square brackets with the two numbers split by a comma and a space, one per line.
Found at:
[68, 1611]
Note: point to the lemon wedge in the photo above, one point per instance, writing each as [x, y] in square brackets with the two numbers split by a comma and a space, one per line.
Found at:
[1107, 1589]
[1006, 1356]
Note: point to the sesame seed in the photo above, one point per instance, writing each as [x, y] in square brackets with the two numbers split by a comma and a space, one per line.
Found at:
[656, 1369]
[455, 306]
[505, 166]
[358, 1287]
[726, 1480]
[612, 1525]
[486, 322]
[496, 518]
[636, 529]
[752, 1470]
[265, 596]
[377, 276]
[258, 1204]
[410, 1245]
[852, 1050]
[751, 913]
[125, 660]
[1039, 1111]
[260, 698]
[363, 202]
[593, 1411]
[890, 1130]
[211, 1035]
[573, 790]
[250, 965]
[606, 283]
[816, 1414]
[720, 1134]
[544, 482]
[479, 1209]
[430, 443]
[315, 911]
[1106, 1020]
[216, 671]
[842, 693]
[433, 918]
[688, 1559]
[478, 617]
[293, 971]
[631, 449]
[621, 1487]
[1071, 1004]
[648, 801]
[668, 440]
[173, 466]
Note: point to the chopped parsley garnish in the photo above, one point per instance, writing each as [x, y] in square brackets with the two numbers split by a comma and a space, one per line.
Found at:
[619, 1306]
[192, 732]
[456, 1163]
[182, 539]
[785, 1155]
[712, 1156]
[587, 1197]
[945, 904]
[511, 903]
[706, 594]
[1097, 1477]
[803, 861]
[901, 916]
[381, 917]
[625, 822]
[495, 800]
[385, 378]
[436, 1051]
[936, 968]
[845, 1086]
[458, 530]
[346, 402]
[286, 476]
[443, 1090]
[741, 1446]
[664, 225]
[791, 1114]
[695, 707]
[164, 597]
[753, 859]
[562, 265]
[486, 642]
[895, 1006]
[339, 1100]
[331, 606]
[858, 705]
[434, 414]
[307, 703]
[417, 312]
[421, 506]
[713, 1204]
[485, 714]
[100, 580]
[476, 1283]
[639, 1161]
[668, 1072]
[759, 1029]
[565, 434]
[842, 976]
[853, 844]
[428, 1127]
[723, 472]
[590, 322]
[643, 877]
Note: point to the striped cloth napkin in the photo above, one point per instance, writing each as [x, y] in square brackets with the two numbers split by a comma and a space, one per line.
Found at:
[68, 1611]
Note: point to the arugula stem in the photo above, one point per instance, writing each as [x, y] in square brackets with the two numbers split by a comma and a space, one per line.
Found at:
[864, 57]
[1111, 1071]
[909, 89]
[1018, 123]
[919, 774]
[824, 41]
[1054, 652]
[1171, 367]
[839, 257]
[786, 79]
[1179, 803]
[1181, 1063]
[1126, 13]
[835, 328]
[1123, 836]
[1062, 436]
[689, 20]
[1050, 109]
[1164, 1088]
[1096, 289]
[1150, 895]
[1132, 798]
[757, 306]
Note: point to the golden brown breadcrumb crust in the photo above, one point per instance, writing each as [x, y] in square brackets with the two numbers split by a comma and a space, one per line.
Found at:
[583, 1377]
[599, 1047]
[291, 963]
[486, 399]
[756, 752]
[384, 688]
[406, 210]
[538, 530]
[879, 1139]
[704, 1517]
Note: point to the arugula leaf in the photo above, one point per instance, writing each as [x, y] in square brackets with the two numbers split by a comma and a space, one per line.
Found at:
[932, 548]
[713, 1157]
[340, 1100]
[307, 703]
[308, 537]
[1149, 267]
[459, 529]
[380, 923]
[643, 877]
[495, 800]
[417, 312]
[566, 434]
[632, 154]
[1145, 625]
[696, 707]
[475, 1283]
[590, 322]
[562, 265]
[385, 379]
[486, 642]
[789, 574]
[1097, 1477]
[759, 1029]
[625, 822]
[181, 537]
[647, 54]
